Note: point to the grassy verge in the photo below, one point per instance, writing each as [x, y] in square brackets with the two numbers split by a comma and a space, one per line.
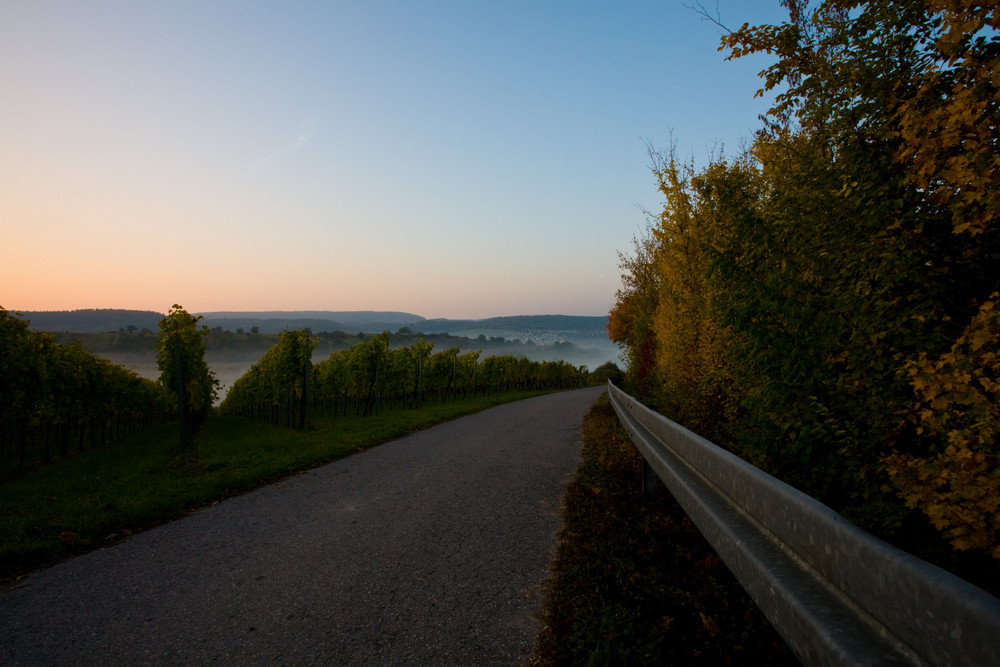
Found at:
[96, 497]
[635, 582]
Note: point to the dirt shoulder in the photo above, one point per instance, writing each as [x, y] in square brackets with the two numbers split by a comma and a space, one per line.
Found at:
[635, 582]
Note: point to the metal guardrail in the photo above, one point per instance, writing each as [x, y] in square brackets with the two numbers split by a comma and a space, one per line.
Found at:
[838, 595]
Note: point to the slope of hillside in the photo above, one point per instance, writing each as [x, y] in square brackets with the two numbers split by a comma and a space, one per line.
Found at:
[366, 321]
[92, 320]
[98, 320]
[540, 328]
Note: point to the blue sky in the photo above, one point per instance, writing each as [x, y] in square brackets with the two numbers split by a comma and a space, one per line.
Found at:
[451, 159]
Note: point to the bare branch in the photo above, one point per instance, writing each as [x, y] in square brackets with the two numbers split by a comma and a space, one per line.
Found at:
[699, 9]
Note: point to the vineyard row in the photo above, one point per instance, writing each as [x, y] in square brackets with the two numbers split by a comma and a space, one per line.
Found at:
[285, 387]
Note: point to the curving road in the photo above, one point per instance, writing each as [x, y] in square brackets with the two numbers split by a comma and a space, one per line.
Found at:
[427, 550]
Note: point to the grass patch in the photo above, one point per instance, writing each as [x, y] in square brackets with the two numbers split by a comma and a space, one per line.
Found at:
[634, 581]
[101, 495]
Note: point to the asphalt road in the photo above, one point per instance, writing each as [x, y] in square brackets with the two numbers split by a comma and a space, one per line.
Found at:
[429, 550]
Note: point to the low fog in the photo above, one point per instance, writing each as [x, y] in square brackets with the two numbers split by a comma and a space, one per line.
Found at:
[229, 365]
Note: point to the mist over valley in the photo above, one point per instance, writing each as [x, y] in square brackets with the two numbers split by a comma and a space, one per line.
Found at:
[239, 339]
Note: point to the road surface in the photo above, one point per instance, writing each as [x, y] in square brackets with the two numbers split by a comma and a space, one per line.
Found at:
[429, 550]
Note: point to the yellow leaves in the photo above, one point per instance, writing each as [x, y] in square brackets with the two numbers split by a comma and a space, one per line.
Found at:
[958, 489]
[967, 226]
[935, 512]
[848, 188]
[921, 383]
[946, 115]
[958, 392]
[674, 326]
[710, 624]
[939, 403]
[980, 337]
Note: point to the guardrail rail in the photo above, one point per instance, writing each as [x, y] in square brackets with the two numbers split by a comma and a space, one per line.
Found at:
[838, 595]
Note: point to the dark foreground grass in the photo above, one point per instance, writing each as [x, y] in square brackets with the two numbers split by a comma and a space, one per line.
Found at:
[96, 497]
[634, 581]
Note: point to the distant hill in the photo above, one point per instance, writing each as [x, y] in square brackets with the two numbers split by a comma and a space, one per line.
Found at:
[541, 328]
[93, 320]
[349, 321]
[537, 328]
[107, 319]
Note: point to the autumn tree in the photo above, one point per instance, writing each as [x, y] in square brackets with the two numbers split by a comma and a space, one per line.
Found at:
[630, 322]
[947, 114]
[879, 245]
[831, 292]
[694, 363]
[956, 484]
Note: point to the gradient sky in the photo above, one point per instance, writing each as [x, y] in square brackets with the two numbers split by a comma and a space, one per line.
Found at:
[450, 159]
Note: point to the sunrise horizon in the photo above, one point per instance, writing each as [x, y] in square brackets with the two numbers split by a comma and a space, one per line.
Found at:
[458, 160]
[265, 311]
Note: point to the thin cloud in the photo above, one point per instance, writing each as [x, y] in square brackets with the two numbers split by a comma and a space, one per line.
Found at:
[305, 132]
[306, 128]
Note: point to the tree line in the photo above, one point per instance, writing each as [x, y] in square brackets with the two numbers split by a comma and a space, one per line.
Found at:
[825, 303]
[285, 387]
[62, 396]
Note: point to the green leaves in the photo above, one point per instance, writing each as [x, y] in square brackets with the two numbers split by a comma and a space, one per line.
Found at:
[54, 394]
[180, 356]
[372, 375]
[275, 388]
